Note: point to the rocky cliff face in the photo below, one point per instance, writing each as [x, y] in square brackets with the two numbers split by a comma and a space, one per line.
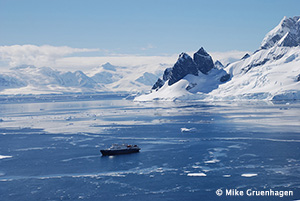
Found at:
[185, 65]
[203, 61]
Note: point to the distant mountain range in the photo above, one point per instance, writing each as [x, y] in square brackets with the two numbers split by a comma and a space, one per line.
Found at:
[28, 79]
[270, 73]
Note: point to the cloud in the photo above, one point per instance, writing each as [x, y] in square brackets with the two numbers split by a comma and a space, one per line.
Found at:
[63, 57]
[86, 63]
[45, 55]
[228, 57]
[148, 47]
[78, 63]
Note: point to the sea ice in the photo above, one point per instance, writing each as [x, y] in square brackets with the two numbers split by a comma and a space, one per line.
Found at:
[2, 157]
[183, 130]
[200, 174]
[249, 175]
[212, 161]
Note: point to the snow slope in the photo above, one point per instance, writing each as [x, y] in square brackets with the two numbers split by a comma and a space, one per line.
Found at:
[270, 73]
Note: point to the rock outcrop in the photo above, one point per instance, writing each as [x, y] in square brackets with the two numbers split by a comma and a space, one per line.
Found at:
[185, 65]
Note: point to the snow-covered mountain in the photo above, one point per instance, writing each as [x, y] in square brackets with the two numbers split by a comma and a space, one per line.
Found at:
[33, 80]
[202, 63]
[285, 34]
[189, 75]
[30, 79]
[106, 74]
[126, 79]
[272, 72]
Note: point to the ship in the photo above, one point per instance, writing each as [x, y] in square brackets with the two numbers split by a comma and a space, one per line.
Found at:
[117, 149]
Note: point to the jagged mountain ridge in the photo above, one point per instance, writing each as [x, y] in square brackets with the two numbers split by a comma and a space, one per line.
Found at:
[272, 72]
[189, 76]
[201, 63]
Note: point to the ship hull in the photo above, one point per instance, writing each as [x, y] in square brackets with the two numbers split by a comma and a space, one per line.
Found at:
[118, 152]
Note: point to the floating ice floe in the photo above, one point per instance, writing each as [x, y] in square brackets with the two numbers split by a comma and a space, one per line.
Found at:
[212, 161]
[249, 175]
[69, 118]
[227, 175]
[2, 157]
[183, 130]
[200, 174]
[236, 146]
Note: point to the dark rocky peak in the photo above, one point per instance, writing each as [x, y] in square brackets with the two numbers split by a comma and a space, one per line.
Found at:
[245, 56]
[183, 57]
[158, 84]
[202, 52]
[218, 65]
[184, 66]
[203, 61]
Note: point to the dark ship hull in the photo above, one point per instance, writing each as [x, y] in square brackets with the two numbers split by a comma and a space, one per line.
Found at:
[108, 152]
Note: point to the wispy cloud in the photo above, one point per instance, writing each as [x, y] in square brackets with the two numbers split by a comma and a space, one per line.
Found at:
[64, 57]
[45, 55]
[148, 47]
[86, 63]
[228, 57]
[136, 60]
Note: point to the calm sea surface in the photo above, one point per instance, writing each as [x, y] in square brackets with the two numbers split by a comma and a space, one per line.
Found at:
[49, 149]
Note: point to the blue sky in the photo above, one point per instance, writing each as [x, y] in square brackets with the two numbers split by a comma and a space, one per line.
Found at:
[142, 27]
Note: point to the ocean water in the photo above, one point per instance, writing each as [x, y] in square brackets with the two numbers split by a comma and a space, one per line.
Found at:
[49, 149]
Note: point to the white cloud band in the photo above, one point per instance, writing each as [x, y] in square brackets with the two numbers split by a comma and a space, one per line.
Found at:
[59, 57]
[45, 55]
